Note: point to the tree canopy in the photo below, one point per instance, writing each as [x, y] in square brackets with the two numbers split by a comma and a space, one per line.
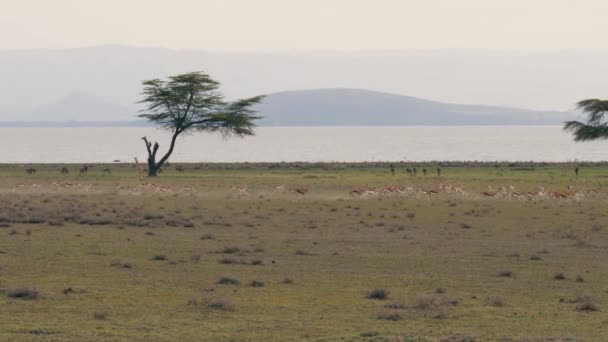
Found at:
[191, 102]
[596, 125]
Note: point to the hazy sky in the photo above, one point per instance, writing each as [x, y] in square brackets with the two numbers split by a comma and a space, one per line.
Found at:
[305, 24]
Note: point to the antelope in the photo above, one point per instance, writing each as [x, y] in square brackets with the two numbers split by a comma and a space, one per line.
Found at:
[240, 189]
[490, 192]
[179, 169]
[140, 168]
[301, 191]
[84, 169]
[359, 192]
[564, 195]
[391, 188]
[30, 170]
[430, 192]
[278, 188]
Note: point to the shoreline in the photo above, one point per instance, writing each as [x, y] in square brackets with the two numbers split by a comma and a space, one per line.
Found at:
[335, 165]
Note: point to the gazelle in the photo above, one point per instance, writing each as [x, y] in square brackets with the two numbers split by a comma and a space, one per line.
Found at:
[301, 191]
[239, 189]
[140, 168]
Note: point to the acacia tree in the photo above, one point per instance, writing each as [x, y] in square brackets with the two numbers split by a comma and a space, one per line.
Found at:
[596, 125]
[189, 103]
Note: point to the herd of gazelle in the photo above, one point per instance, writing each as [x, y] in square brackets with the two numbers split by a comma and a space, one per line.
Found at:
[507, 192]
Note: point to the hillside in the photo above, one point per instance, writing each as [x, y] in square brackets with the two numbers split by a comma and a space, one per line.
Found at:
[319, 107]
[362, 107]
[33, 79]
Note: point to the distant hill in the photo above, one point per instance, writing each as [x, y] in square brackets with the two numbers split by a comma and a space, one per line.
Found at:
[319, 107]
[357, 107]
[33, 79]
[80, 107]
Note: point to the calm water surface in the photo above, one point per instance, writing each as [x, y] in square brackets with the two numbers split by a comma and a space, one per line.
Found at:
[275, 144]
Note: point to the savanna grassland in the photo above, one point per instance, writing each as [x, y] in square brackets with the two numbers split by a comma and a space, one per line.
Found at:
[281, 252]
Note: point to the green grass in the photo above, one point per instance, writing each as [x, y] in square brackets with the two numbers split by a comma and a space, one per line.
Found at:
[335, 247]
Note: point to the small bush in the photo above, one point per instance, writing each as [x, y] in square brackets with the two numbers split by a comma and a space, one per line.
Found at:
[395, 306]
[122, 263]
[28, 293]
[101, 313]
[559, 276]
[221, 304]
[256, 262]
[207, 237]
[230, 250]
[256, 283]
[389, 315]
[231, 261]
[580, 279]
[159, 257]
[495, 301]
[287, 280]
[441, 313]
[228, 281]
[506, 273]
[586, 303]
[425, 302]
[378, 294]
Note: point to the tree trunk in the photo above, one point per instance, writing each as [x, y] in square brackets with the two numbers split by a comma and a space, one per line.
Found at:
[153, 166]
[152, 170]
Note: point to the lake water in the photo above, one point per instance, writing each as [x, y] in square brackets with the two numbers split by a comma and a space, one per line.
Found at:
[275, 144]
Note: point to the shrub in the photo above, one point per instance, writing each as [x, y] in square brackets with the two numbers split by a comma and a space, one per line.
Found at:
[230, 250]
[506, 273]
[378, 294]
[395, 306]
[101, 313]
[221, 304]
[425, 302]
[159, 257]
[257, 262]
[28, 293]
[122, 263]
[228, 281]
[559, 276]
[256, 283]
[287, 280]
[231, 261]
[389, 315]
[495, 301]
[586, 303]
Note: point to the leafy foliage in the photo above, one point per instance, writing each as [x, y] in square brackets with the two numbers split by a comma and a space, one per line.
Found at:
[596, 126]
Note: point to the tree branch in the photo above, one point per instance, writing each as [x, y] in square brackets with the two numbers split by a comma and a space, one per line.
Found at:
[148, 145]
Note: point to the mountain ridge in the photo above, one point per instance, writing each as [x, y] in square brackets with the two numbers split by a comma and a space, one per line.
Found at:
[311, 107]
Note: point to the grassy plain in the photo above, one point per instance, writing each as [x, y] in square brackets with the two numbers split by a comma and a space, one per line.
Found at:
[112, 257]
